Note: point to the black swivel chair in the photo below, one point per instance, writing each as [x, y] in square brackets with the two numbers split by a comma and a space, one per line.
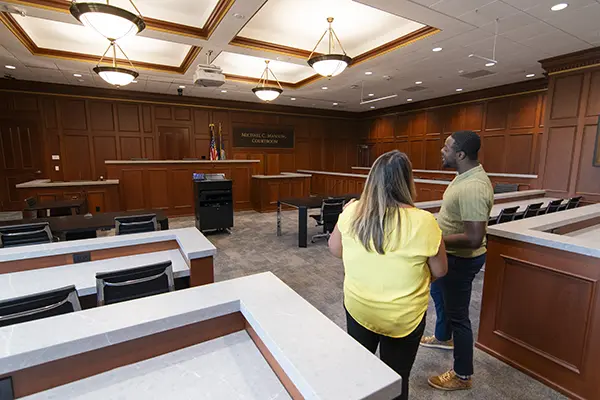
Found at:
[553, 206]
[136, 224]
[25, 235]
[39, 305]
[330, 212]
[572, 203]
[505, 187]
[532, 210]
[506, 215]
[134, 283]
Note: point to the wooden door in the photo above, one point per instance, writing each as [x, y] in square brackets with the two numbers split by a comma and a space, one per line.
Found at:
[174, 142]
[20, 160]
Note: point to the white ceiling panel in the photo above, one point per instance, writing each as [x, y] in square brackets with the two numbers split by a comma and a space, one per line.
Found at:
[300, 24]
[488, 13]
[79, 39]
[244, 65]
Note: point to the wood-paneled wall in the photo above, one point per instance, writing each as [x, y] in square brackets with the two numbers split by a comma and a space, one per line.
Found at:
[566, 164]
[510, 126]
[85, 130]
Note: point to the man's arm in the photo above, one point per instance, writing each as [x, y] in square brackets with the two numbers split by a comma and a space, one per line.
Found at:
[471, 239]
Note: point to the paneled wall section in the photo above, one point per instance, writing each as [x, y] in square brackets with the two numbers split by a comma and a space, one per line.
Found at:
[511, 128]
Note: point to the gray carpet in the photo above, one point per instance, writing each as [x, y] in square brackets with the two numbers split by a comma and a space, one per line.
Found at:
[317, 276]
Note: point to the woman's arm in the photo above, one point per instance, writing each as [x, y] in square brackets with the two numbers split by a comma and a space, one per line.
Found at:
[335, 242]
[438, 264]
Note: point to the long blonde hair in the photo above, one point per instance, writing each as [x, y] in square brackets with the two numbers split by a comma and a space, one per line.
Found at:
[389, 185]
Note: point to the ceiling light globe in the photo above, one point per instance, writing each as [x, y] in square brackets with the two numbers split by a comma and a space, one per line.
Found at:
[330, 65]
[109, 21]
[116, 76]
[267, 93]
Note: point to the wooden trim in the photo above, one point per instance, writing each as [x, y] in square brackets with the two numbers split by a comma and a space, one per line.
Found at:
[204, 33]
[115, 252]
[584, 59]
[575, 226]
[8, 267]
[69, 369]
[260, 45]
[30, 45]
[283, 378]
[288, 85]
[202, 271]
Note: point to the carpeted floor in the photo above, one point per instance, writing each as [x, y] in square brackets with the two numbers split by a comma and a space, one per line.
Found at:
[317, 276]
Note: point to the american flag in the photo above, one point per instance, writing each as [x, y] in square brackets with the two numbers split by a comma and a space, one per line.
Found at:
[214, 155]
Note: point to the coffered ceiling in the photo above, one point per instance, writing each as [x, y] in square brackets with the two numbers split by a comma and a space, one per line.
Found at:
[392, 40]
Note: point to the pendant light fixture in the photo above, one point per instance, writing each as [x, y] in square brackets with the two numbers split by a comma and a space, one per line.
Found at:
[110, 21]
[330, 64]
[114, 74]
[265, 92]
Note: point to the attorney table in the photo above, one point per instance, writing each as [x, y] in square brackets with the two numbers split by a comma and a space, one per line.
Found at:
[81, 226]
[303, 204]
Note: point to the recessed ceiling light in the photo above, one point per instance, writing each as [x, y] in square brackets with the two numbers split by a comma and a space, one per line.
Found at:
[490, 64]
[436, 49]
[529, 75]
[372, 106]
[181, 87]
[371, 94]
[239, 16]
[335, 104]
[559, 6]
[368, 73]
[293, 98]
[10, 67]
[459, 90]
[134, 81]
[77, 75]
[408, 99]
[324, 88]
[418, 82]
[223, 91]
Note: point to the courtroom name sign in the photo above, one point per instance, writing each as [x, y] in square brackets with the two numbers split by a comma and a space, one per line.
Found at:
[282, 138]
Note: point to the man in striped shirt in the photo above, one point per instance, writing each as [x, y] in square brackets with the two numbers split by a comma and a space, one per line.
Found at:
[463, 218]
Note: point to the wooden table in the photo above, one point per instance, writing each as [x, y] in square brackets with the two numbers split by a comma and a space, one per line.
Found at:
[75, 206]
[74, 227]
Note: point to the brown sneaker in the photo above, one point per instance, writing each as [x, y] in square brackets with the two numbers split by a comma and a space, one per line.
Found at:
[431, 341]
[449, 381]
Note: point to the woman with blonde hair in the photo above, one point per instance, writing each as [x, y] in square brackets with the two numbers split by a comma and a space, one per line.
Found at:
[391, 252]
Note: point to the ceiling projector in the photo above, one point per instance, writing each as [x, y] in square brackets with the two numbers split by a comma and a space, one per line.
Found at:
[207, 75]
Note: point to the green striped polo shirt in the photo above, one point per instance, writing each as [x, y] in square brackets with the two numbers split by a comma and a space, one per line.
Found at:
[469, 197]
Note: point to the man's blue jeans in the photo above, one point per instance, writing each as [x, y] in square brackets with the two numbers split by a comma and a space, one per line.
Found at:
[452, 297]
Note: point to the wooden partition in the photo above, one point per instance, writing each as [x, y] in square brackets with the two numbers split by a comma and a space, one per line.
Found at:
[168, 186]
[541, 314]
[267, 190]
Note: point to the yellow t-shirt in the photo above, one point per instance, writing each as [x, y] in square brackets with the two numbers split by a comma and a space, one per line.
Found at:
[388, 293]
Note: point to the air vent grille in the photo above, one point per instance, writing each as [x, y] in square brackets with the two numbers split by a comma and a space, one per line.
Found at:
[413, 89]
[477, 74]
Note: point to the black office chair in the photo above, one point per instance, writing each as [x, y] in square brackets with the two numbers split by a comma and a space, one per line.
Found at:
[39, 305]
[572, 203]
[25, 235]
[136, 224]
[505, 187]
[330, 212]
[532, 210]
[553, 206]
[134, 283]
[507, 215]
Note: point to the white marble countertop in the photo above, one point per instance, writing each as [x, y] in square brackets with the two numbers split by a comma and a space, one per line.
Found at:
[191, 241]
[115, 162]
[432, 181]
[42, 183]
[531, 230]
[283, 175]
[498, 174]
[83, 275]
[322, 360]
[497, 196]
[229, 367]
